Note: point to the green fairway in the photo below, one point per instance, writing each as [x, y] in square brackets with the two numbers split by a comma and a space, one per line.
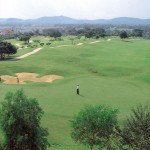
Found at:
[111, 72]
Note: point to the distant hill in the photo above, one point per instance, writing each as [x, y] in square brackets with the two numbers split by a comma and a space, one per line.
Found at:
[67, 20]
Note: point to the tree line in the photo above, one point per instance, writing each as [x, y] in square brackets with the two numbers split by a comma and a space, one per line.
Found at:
[94, 126]
[83, 30]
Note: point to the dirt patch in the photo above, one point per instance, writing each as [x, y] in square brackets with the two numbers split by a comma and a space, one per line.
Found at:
[24, 76]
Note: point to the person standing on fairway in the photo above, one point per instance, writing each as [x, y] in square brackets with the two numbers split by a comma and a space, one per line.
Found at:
[78, 89]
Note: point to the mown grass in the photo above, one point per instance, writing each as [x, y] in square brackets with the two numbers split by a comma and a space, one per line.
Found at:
[114, 73]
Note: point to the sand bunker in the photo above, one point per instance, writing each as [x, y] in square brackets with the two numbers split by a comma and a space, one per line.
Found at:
[80, 44]
[65, 45]
[17, 44]
[24, 76]
[108, 40]
[60, 46]
[94, 42]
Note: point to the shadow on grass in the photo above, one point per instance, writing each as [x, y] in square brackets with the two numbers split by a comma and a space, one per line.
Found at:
[10, 59]
[81, 95]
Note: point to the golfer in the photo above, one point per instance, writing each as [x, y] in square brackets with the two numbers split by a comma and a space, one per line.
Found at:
[17, 80]
[78, 89]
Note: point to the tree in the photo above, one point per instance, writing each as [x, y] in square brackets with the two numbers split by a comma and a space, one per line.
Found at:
[137, 33]
[37, 32]
[136, 130]
[72, 39]
[20, 122]
[94, 125]
[55, 34]
[7, 49]
[25, 38]
[99, 32]
[88, 34]
[123, 35]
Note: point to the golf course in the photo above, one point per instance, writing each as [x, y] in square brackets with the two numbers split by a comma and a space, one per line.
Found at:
[110, 71]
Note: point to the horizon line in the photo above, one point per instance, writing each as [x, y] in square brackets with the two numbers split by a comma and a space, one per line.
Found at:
[75, 18]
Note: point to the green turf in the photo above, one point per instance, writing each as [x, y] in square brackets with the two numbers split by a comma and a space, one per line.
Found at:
[115, 73]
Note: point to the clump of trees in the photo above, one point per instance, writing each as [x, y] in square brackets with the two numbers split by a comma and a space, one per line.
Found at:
[20, 122]
[6, 49]
[55, 34]
[52, 33]
[94, 32]
[137, 33]
[97, 126]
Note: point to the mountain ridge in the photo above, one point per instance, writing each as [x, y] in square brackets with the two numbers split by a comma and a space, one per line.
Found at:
[67, 20]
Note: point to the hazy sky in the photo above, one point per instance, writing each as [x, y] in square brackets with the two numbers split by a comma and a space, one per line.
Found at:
[79, 9]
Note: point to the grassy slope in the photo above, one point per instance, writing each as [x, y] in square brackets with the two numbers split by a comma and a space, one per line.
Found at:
[114, 73]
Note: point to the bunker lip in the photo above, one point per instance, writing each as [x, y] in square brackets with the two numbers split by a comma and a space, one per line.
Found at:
[25, 76]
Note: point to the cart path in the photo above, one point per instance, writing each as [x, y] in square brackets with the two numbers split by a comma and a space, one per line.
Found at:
[28, 54]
